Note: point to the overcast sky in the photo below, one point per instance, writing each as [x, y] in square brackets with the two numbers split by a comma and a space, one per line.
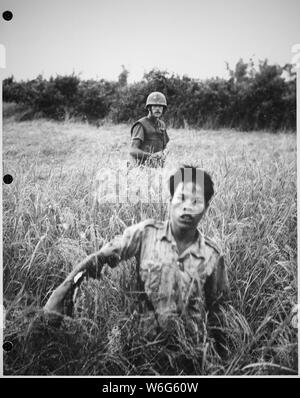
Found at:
[191, 37]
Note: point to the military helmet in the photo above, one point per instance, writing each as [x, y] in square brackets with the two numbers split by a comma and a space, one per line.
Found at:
[156, 98]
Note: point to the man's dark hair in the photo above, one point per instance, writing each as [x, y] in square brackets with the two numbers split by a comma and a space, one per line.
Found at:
[207, 181]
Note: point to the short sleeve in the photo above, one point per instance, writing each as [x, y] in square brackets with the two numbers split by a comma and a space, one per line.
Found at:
[138, 132]
[127, 245]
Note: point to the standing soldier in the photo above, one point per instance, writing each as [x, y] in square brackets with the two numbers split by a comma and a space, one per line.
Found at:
[149, 135]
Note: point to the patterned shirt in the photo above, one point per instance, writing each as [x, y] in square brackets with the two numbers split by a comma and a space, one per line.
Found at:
[176, 284]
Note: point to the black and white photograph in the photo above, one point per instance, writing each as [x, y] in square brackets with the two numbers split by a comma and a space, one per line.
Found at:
[149, 194]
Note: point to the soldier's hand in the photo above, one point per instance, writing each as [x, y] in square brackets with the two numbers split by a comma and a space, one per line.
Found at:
[158, 155]
[103, 256]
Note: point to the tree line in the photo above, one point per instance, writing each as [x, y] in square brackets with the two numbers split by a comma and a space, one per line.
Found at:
[251, 98]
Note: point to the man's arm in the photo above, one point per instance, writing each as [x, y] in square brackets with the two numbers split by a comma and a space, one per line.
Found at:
[167, 138]
[61, 300]
[120, 248]
[217, 286]
[137, 152]
[217, 292]
[137, 139]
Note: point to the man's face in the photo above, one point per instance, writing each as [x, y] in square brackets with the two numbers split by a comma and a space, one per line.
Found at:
[157, 110]
[187, 206]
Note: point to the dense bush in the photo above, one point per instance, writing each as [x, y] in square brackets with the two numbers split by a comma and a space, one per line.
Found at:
[95, 99]
[251, 99]
[55, 98]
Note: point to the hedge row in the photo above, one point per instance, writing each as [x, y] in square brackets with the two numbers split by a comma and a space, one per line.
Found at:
[250, 99]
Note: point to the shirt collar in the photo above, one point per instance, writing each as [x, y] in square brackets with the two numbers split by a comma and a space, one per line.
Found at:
[197, 248]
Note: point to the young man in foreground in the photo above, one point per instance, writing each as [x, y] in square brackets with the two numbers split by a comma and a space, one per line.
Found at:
[181, 272]
[149, 137]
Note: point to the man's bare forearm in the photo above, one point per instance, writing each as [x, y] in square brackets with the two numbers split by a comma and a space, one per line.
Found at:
[139, 154]
[92, 265]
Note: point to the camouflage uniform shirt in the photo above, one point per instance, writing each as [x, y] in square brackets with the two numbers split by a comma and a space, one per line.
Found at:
[176, 284]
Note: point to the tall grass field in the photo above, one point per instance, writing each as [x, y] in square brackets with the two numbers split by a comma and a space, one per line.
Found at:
[50, 222]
